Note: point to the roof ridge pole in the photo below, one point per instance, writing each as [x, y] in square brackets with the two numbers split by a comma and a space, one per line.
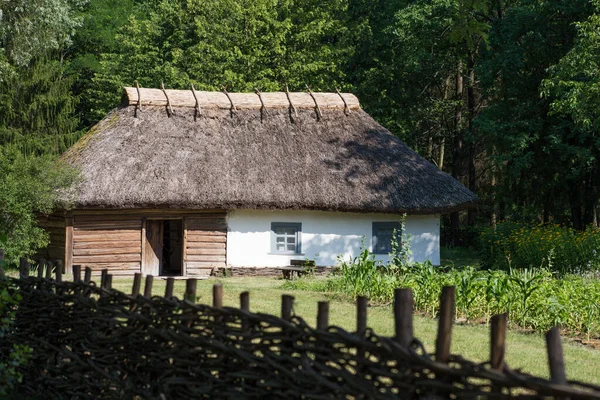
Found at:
[287, 93]
[262, 103]
[233, 109]
[169, 109]
[319, 114]
[346, 108]
[196, 107]
[138, 106]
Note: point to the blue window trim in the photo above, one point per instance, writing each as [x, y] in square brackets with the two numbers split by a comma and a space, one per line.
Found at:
[385, 225]
[297, 226]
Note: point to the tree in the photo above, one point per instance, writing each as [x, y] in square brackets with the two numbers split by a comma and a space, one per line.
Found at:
[532, 149]
[238, 44]
[573, 87]
[28, 185]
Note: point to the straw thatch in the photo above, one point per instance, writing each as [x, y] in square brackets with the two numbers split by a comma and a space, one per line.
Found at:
[263, 157]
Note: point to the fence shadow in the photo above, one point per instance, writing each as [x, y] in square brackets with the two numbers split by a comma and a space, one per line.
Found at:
[92, 342]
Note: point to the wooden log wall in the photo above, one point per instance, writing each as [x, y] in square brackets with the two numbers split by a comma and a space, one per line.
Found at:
[205, 242]
[108, 241]
[55, 226]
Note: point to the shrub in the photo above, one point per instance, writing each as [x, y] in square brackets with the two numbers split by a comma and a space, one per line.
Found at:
[553, 247]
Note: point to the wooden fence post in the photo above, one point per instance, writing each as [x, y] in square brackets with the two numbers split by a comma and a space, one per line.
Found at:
[148, 287]
[23, 268]
[58, 273]
[444, 335]
[218, 295]
[287, 304]
[362, 303]
[103, 277]
[190, 290]
[76, 273]
[41, 266]
[245, 306]
[88, 275]
[60, 265]
[498, 341]
[555, 356]
[322, 315]
[137, 283]
[245, 301]
[403, 316]
[108, 282]
[169, 288]
[49, 266]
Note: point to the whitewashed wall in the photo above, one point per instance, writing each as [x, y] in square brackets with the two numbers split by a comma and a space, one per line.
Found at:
[327, 234]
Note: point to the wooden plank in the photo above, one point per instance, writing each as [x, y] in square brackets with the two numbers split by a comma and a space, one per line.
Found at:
[195, 236]
[207, 245]
[204, 251]
[109, 265]
[108, 232]
[106, 258]
[192, 222]
[114, 250]
[103, 218]
[108, 227]
[109, 222]
[83, 240]
[69, 244]
[208, 227]
[152, 257]
[203, 264]
[108, 244]
[184, 246]
[194, 257]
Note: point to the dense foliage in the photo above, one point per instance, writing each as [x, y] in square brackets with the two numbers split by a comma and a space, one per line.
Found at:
[558, 249]
[533, 298]
[27, 185]
[502, 94]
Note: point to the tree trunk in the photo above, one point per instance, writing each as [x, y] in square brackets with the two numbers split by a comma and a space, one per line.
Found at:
[457, 151]
[472, 212]
[575, 202]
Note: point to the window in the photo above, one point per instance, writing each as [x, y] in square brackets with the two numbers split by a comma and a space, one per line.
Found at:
[285, 237]
[382, 236]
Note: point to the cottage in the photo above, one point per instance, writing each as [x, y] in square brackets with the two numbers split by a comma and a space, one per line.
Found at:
[178, 182]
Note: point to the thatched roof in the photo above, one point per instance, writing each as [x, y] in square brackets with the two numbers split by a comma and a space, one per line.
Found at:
[263, 154]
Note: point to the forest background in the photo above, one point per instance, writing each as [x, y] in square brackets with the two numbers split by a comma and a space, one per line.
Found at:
[502, 94]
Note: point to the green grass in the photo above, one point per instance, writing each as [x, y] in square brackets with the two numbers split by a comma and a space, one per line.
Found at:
[524, 351]
[458, 257]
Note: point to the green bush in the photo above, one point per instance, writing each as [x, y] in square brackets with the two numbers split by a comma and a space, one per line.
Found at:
[15, 357]
[535, 299]
[553, 247]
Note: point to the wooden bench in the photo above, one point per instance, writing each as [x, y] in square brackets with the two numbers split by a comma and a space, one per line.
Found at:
[297, 268]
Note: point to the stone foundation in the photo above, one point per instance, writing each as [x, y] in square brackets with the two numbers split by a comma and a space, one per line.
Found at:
[264, 271]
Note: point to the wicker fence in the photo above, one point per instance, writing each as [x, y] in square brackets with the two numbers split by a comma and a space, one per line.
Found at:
[92, 342]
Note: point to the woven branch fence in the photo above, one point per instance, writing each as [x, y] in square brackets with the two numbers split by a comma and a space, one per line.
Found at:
[93, 342]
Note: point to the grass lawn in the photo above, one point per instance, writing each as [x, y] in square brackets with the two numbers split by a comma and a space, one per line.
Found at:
[524, 351]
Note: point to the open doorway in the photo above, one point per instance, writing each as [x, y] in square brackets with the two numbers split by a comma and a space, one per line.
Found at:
[172, 257]
[163, 254]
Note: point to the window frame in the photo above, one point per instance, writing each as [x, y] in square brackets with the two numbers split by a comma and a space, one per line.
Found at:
[385, 224]
[297, 226]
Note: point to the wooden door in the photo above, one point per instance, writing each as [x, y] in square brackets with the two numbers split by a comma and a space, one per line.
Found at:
[153, 250]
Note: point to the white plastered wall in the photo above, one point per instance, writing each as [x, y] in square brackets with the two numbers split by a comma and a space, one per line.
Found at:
[325, 235]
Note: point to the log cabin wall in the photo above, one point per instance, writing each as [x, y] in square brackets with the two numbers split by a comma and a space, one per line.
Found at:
[117, 240]
[108, 241]
[205, 242]
[55, 226]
